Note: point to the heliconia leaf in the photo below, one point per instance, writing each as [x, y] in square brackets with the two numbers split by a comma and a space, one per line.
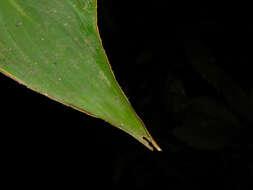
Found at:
[53, 47]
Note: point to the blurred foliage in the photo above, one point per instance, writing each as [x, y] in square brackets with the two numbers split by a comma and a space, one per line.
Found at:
[208, 124]
[191, 68]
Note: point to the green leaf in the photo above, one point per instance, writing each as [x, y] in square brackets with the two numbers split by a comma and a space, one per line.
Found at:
[54, 48]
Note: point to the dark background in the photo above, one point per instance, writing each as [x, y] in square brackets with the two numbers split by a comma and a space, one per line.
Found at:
[186, 70]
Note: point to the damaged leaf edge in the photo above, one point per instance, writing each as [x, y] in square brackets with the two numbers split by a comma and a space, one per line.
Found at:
[146, 140]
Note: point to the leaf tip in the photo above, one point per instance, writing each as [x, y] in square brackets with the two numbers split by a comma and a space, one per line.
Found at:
[150, 144]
